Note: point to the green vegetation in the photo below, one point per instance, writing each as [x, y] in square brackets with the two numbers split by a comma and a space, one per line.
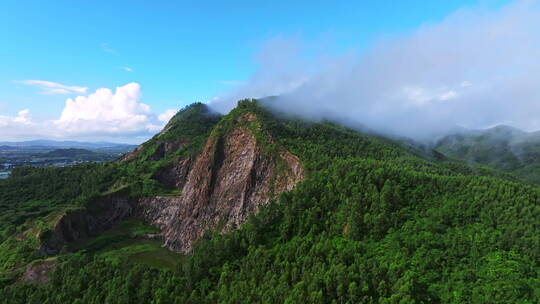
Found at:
[373, 222]
[501, 147]
[40, 156]
[188, 129]
[77, 154]
[31, 201]
[126, 243]
[32, 193]
[183, 136]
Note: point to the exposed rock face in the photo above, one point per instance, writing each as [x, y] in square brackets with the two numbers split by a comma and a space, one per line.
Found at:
[158, 210]
[231, 179]
[233, 176]
[79, 224]
[38, 272]
[174, 176]
[69, 228]
[166, 147]
[131, 155]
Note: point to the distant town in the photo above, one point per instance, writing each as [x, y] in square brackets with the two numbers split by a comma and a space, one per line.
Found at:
[59, 154]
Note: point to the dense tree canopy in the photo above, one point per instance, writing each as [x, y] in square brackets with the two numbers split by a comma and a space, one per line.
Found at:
[373, 222]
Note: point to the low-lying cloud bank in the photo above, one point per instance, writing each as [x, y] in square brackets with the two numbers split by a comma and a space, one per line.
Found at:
[475, 69]
[104, 114]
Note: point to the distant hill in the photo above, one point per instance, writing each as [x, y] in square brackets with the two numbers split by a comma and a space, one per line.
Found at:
[6, 148]
[501, 147]
[78, 154]
[106, 147]
[64, 144]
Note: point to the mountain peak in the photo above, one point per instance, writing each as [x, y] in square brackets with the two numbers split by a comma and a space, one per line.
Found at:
[505, 130]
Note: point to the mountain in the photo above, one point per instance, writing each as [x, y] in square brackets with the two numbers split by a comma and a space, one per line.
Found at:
[501, 147]
[51, 144]
[230, 178]
[78, 154]
[254, 207]
[8, 148]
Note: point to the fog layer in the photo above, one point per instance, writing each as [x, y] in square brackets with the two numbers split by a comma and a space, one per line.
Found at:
[475, 69]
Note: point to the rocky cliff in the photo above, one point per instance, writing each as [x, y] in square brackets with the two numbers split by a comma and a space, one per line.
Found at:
[231, 178]
[237, 170]
[76, 225]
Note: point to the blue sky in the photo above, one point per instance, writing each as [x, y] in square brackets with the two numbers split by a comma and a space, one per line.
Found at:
[177, 51]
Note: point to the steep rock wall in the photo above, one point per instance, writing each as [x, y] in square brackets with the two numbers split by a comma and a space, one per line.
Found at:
[229, 180]
[79, 224]
[233, 176]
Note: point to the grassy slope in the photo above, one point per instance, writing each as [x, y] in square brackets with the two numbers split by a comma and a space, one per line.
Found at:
[124, 243]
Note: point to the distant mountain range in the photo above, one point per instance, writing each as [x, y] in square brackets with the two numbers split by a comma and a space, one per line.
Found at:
[80, 154]
[501, 147]
[64, 144]
[58, 153]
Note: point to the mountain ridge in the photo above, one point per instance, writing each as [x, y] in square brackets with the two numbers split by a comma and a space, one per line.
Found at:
[501, 147]
[365, 219]
[228, 180]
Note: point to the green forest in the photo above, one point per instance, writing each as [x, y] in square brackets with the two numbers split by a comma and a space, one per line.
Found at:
[374, 221]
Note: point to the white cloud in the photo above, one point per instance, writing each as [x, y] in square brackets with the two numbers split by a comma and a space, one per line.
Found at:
[117, 115]
[127, 69]
[466, 84]
[105, 111]
[476, 68]
[5, 120]
[54, 88]
[280, 70]
[167, 115]
[12, 127]
[448, 95]
[23, 117]
[422, 97]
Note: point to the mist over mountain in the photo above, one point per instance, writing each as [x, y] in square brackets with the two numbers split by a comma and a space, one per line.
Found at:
[502, 147]
[475, 69]
[301, 210]
[405, 170]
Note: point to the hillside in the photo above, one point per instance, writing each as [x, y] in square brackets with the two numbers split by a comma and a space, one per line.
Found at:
[501, 147]
[252, 207]
[80, 154]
